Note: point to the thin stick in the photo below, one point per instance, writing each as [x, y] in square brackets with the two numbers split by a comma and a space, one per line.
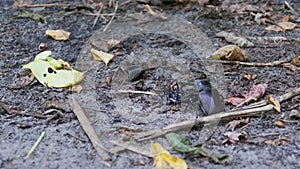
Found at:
[135, 91]
[115, 11]
[98, 145]
[212, 118]
[290, 7]
[97, 16]
[44, 5]
[275, 63]
[29, 154]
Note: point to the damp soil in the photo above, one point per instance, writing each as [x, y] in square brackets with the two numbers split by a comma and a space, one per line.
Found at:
[28, 108]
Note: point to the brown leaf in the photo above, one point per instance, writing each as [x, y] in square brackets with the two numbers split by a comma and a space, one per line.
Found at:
[256, 92]
[279, 123]
[235, 100]
[281, 26]
[21, 3]
[58, 34]
[278, 141]
[234, 137]
[275, 102]
[232, 125]
[230, 52]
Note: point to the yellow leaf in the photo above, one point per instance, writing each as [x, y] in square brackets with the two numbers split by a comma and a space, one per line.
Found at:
[58, 34]
[275, 102]
[163, 159]
[47, 71]
[101, 56]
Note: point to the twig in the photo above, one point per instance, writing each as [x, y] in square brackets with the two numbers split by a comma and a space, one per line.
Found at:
[97, 16]
[44, 5]
[112, 18]
[136, 92]
[290, 7]
[136, 149]
[212, 118]
[275, 63]
[29, 154]
[153, 13]
[98, 145]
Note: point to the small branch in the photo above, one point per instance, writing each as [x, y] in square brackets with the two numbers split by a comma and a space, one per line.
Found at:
[112, 18]
[212, 118]
[136, 92]
[290, 7]
[275, 63]
[98, 145]
[44, 5]
[97, 16]
[29, 154]
[153, 13]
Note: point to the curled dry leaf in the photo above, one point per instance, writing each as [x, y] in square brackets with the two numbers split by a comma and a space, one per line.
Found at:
[101, 56]
[230, 52]
[163, 159]
[256, 92]
[234, 137]
[275, 102]
[279, 123]
[237, 40]
[281, 26]
[232, 125]
[58, 34]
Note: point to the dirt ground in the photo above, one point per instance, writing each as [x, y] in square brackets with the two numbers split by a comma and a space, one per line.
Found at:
[28, 108]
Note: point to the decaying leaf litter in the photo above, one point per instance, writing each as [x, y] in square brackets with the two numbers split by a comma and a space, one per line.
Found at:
[246, 89]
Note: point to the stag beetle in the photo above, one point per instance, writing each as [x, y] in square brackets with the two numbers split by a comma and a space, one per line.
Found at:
[173, 96]
[210, 99]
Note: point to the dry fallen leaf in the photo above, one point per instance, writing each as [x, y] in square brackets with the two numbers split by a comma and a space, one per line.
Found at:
[101, 56]
[230, 52]
[234, 137]
[275, 102]
[58, 34]
[256, 92]
[282, 26]
[278, 141]
[232, 125]
[237, 40]
[296, 60]
[21, 3]
[163, 159]
[279, 123]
